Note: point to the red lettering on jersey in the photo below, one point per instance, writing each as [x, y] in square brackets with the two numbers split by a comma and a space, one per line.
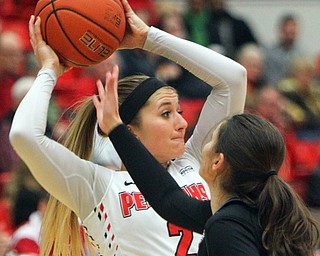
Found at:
[126, 203]
[137, 200]
[130, 200]
[185, 190]
[141, 203]
[196, 191]
[203, 191]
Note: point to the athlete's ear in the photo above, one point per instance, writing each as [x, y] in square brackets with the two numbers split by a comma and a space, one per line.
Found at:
[217, 163]
[132, 130]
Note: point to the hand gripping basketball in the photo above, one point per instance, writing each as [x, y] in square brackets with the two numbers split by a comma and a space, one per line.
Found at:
[82, 32]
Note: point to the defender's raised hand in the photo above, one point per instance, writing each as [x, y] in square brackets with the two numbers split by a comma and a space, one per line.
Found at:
[106, 102]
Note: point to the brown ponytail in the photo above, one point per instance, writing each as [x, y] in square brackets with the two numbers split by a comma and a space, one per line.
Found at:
[288, 227]
[254, 150]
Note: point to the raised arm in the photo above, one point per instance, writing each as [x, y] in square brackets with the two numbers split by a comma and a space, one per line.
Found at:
[58, 170]
[227, 78]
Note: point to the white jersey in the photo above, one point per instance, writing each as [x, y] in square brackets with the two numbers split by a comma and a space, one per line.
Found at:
[115, 214]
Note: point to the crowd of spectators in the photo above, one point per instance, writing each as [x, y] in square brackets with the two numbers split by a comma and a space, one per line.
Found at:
[283, 85]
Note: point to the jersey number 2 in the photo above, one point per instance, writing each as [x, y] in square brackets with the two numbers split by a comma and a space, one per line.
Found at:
[185, 241]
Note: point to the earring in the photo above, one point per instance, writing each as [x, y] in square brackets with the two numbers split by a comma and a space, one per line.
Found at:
[132, 132]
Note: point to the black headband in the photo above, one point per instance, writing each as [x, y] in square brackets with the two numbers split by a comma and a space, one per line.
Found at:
[138, 97]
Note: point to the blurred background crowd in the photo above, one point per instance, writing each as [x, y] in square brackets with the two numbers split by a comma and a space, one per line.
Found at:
[283, 87]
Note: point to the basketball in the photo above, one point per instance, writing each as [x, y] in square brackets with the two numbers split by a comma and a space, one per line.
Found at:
[82, 32]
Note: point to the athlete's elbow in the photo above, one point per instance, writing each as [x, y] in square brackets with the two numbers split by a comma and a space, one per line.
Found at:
[239, 76]
[18, 138]
[242, 73]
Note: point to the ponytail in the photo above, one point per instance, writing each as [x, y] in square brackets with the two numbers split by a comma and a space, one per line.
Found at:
[60, 232]
[287, 225]
[60, 229]
[254, 150]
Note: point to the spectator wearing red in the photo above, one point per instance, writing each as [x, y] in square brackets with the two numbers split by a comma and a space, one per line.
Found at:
[146, 10]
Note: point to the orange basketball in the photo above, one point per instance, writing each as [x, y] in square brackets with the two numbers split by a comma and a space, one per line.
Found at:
[82, 32]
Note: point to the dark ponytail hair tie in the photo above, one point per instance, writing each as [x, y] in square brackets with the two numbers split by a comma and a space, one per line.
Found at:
[270, 173]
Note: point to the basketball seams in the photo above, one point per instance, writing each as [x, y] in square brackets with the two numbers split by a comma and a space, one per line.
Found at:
[44, 32]
[91, 20]
[44, 21]
[95, 27]
[68, 38]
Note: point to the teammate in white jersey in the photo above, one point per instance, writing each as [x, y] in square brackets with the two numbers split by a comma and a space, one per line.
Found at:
[117, 218]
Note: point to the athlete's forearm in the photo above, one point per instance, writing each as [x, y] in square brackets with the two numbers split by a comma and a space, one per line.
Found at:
[203, 62]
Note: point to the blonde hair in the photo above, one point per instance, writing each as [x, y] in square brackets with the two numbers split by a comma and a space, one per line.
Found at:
[60, 233]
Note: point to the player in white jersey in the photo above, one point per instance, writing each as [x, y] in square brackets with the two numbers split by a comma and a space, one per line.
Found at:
[116, 217]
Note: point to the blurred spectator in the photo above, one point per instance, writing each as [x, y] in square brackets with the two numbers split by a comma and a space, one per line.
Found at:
[292, 109]
[29, 202]
[17, 10]
[303, 156]
[173, 23]
[284, 50]
[146, 10]
[270, 104]
[4, 242]
[192, 90]
[31, 67]
[188, 86]
[26, 238]
[74, 86]
[15, 15]
[99, 70]
[138, 61]
[71, 88]
[11, 59]
[20, 89]
[6, 226]
[8, 157]
[303, 92]
[313, 190]
[227, 33]
[251, 56]
[196, 19]
[318, 66]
